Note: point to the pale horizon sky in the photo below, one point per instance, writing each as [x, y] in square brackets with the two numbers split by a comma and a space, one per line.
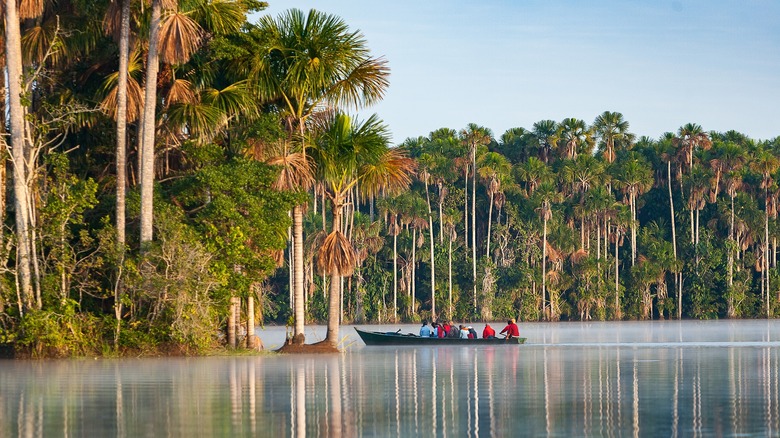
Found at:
[505, 64]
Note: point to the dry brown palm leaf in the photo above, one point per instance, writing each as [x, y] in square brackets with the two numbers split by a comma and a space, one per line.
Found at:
[135, 101]
[181, 91]
[553, 278]
[336, 255]
[578, 256]
[553, 254]
[278, 256]
[180, 37]
[30, 9]
[296, 171]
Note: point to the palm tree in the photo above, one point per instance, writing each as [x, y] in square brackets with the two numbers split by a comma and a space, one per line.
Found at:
[347, 152]
[691, 138]
[306, 62]
[474, 136]
[575, 135]
[493, 168]
[611, 128]
[582, 173]
[765, 163]
[546, 134]
[533, 173]
[16, 110]
[546, 196]
[634, 178]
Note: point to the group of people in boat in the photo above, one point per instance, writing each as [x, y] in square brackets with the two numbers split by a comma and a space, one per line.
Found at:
[449, 329]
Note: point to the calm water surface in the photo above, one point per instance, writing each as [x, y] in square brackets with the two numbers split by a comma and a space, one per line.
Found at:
[601, 379]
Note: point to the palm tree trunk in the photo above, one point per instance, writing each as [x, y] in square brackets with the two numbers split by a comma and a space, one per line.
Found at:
[490, 219]
[544, 265]
[633, 229]
[466, 210]
[13, 52]
[334, 301]
[147, 149]
[474, 223]
[674, 234]
[766, 256]
[433, 260]
[449, 281]
[298, 296]
[731, 312]
[121, 157]
[413, 282]
[618, 313]
[395, 272]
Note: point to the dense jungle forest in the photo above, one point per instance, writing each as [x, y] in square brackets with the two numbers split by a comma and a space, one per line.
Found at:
[174, 167]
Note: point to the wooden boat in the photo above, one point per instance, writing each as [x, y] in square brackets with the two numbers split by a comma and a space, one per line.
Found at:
[398, 338]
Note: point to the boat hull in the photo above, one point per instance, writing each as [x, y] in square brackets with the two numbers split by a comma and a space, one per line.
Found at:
[390, 338]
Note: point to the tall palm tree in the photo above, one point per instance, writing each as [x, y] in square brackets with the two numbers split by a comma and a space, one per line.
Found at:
[173, 38]
[765, 163]
[493, 168]
[582, 174]
[345, 153]
[426, 163]
[306, 62]
[611, 128]
[634, 178]
[690, 139]
[13, 59]
[546, 196]
[474, 136]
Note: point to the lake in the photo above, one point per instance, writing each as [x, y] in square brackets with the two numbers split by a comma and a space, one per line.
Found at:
[690, 378]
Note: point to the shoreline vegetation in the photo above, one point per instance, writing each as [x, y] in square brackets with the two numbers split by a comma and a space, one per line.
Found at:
[176, 172]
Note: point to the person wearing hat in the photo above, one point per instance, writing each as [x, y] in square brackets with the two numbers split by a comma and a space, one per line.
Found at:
[511, 330]
[472, 332]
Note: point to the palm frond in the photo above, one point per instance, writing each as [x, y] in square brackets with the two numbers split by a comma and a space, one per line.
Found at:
[181, 91]
[30, 9]
[336, 255]
[180, 37]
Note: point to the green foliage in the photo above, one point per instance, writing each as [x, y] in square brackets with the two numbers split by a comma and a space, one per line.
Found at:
[47, 333]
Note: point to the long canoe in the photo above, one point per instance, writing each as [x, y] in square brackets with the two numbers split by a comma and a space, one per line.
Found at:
[398, 338]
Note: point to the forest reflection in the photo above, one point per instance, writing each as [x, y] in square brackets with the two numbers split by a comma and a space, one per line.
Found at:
[448, 392]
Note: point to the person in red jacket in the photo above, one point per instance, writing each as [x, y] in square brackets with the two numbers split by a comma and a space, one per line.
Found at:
[488, 332]
[444, 329]
[511, 329]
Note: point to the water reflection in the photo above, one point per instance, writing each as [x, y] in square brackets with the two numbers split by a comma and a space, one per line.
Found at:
[616, 385]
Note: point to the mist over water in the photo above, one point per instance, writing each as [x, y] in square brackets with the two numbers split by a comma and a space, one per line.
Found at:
[571, 379]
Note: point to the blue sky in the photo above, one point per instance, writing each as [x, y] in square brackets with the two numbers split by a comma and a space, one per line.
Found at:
[504, 64]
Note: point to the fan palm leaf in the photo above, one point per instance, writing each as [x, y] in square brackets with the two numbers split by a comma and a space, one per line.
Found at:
[337, 256]
[180, 37]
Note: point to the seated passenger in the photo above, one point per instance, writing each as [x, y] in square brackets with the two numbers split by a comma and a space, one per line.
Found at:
[454, 331]
[511, 329]
[425, 331]
[444, 330]
[472, 333]
[464, 332]
[488, 332]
